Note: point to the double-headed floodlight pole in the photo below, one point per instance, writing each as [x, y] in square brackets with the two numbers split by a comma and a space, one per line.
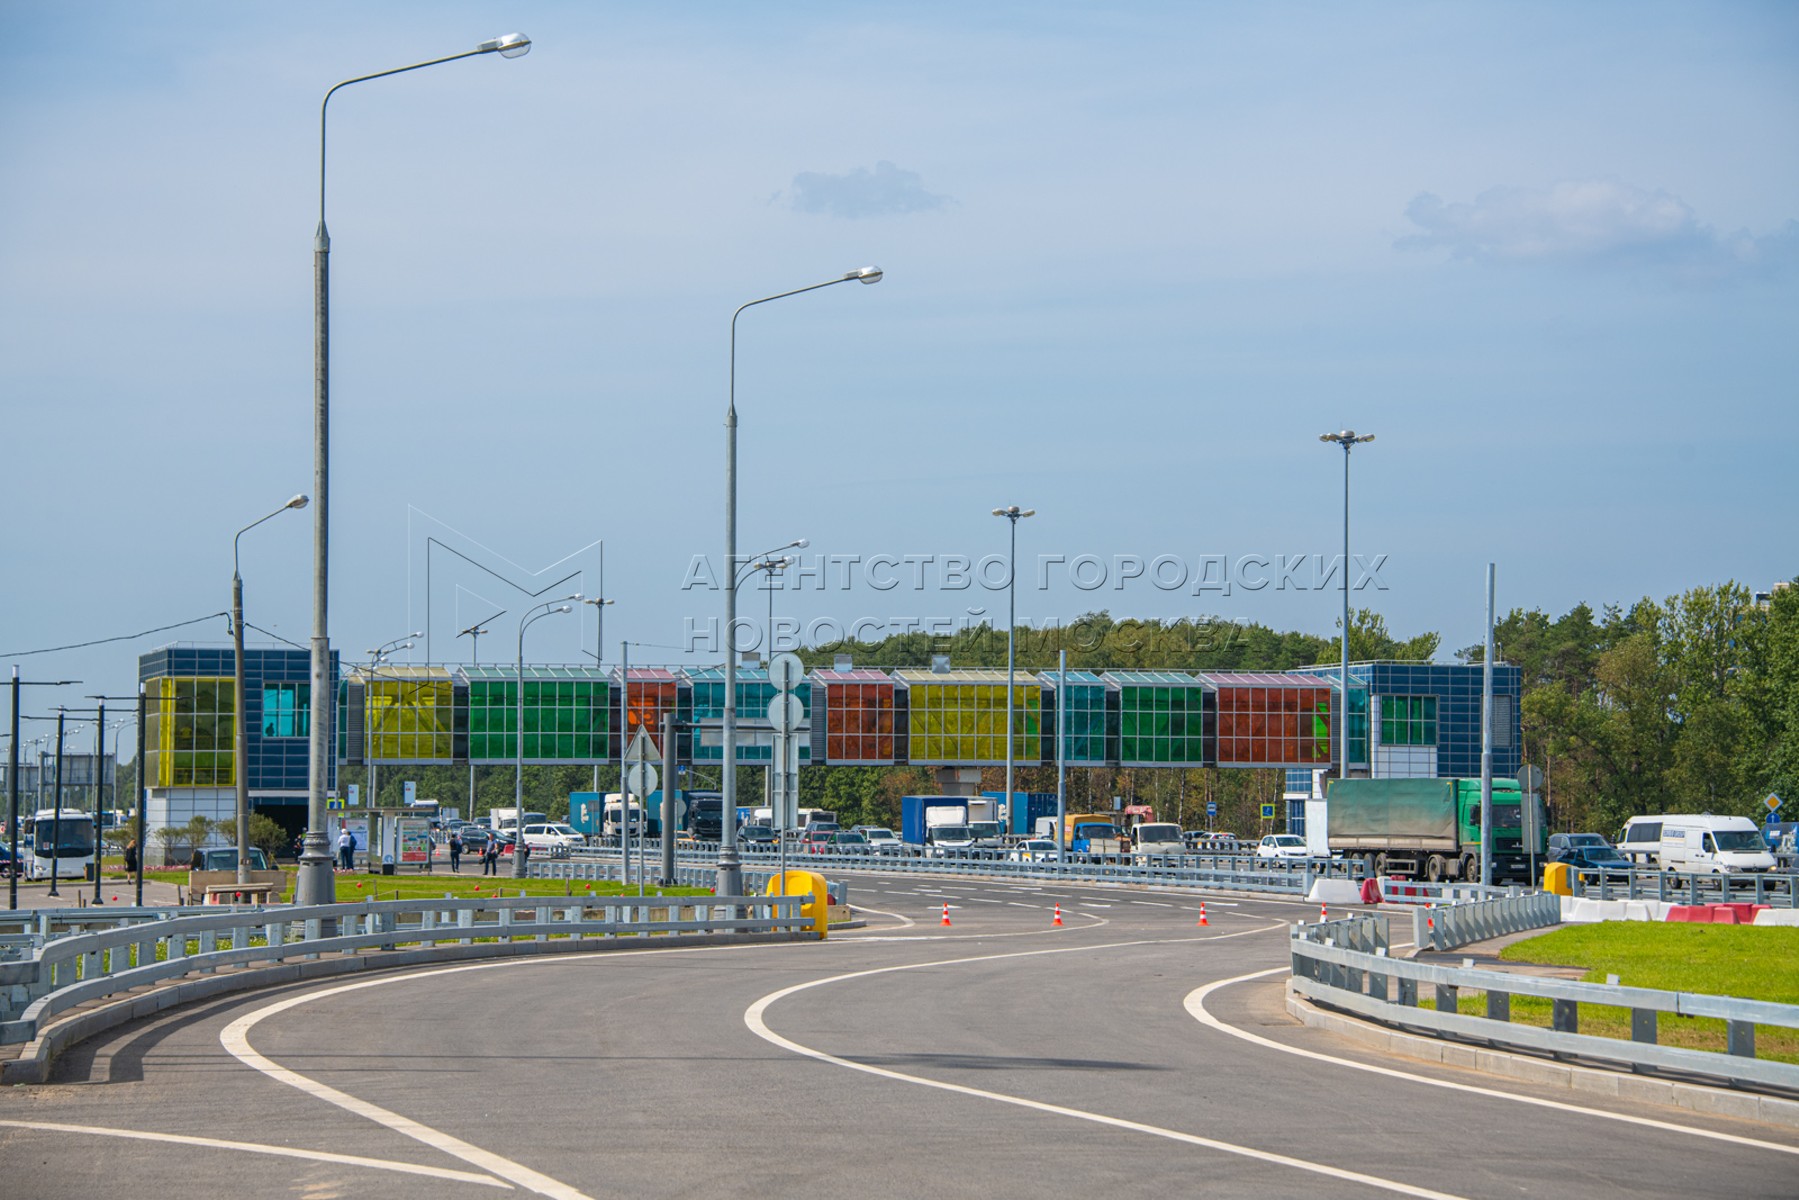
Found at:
[1347, 439]
[566, 604]
[1013, 515]
[767, 564]
[730, 871]
[240, 743]
[316, 883]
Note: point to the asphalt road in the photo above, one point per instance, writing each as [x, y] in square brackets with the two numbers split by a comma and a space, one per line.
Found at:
[1128, 1052]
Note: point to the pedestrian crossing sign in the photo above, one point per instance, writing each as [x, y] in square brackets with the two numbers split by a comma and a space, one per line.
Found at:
[1267, 812]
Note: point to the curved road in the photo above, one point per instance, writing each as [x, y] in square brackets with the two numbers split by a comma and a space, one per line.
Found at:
[1129, 1050]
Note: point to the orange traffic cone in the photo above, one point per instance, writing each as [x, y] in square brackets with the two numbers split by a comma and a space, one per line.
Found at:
[1324, 912]
[1430, 921]
[1058, 919]
[1202, 914]
[946, 912]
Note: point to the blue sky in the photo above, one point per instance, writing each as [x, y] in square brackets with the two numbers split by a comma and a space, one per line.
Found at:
[1138, 257]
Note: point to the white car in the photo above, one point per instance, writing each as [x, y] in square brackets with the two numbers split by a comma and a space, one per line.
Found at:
[1035, 850]
[1281, 845]
[552, 836]
[881, 840]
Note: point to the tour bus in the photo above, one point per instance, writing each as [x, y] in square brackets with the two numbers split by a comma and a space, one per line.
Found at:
[62, 839]
[1704, 844]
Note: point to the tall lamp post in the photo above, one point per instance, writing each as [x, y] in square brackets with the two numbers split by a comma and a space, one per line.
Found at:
[518, 783]
[599, 643]
[316, 883]
[730, 870]
[1347, 439]
[1013, 515]
[767, 564]
[12, 780]
[240, 743]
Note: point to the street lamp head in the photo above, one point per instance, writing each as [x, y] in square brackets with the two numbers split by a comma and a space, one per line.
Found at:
[564, 608]
[300, 501]
[801, 543]
[866, 274]
[512, 45]
[1029, 512]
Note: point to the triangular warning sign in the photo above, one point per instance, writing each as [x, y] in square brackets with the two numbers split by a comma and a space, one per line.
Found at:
[641, 750]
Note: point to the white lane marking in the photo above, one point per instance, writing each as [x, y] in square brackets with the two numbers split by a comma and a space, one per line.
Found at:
[235, 1038]
[348, 1160]
[1022, 904]
[983, 900]
[1153, 903]
[1196, 1006]
[753, 1017]
[900, 917]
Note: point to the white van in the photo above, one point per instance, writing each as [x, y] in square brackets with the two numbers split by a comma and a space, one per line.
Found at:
[1702, 844]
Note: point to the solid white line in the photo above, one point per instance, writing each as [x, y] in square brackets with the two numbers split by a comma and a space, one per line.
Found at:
[348, 1160]
[879, 912]
[1153, 903]
[1196, 1006]
[754, 1018]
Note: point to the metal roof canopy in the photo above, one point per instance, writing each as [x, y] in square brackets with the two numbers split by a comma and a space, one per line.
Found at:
[1267, 679]
[1084, 678]
[854, 675]
[511, 674]
[1155, 678]
[911, 676]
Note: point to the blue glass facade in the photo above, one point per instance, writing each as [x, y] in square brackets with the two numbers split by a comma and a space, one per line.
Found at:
[1440, 699]
[275, 708]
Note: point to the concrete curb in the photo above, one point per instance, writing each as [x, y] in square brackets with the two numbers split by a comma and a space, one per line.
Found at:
[39, 1055]
[1547, 1073]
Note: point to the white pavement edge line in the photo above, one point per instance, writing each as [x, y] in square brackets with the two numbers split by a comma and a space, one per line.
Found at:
[881, 912]
[753, 1017]
[235, 1038]
[181, 1139]
[1196, 1007]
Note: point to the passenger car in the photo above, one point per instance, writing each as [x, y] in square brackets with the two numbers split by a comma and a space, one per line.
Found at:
[552, 835]
[226, 860]
[756, 837]
[1035, 850]
[881, 840]
[1281, 845]
[1584, 850]
[846, 841]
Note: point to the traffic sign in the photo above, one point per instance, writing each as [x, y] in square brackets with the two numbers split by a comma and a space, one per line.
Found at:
[642, 778]
[333, 802]
[785, 671]
[1211, 808]
[1773, 802]
[785, 712]
[1267, 812]
[1530, 778]
[640, 750]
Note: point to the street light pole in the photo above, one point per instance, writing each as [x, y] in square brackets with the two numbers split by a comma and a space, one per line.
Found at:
[316, 883]
[599, 644]
[1013, 515]
[240, 743]
[1346, 438]
[730, 869]
[518, 782]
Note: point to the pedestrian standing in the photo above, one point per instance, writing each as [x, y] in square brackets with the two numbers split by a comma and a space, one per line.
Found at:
[346, 848]
[490, 857]
[455, 852]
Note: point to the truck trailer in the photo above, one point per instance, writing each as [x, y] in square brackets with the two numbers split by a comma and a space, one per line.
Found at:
[921, 816]
[1428, 828]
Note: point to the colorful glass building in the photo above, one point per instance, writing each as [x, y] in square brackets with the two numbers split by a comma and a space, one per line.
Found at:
[1161, 718]
[854, 718]
[958, 718]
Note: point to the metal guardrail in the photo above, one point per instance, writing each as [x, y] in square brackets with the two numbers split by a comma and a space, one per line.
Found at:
[1345, 965]
[72, 970]
[1776, 889]
[1477, 920]
[1233, 872]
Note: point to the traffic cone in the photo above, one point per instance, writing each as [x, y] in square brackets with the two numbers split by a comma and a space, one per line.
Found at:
[1430, 921]
[946, 912]
[1058, 919]
[1324, 912]
[1202, 914]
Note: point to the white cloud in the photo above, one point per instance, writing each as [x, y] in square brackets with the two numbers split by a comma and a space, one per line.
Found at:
[1593, 221]
[863, 193]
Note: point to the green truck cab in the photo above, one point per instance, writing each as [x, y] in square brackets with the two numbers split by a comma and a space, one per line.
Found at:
[1429, 828]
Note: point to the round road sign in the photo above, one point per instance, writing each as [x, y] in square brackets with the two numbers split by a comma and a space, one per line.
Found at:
[785, 712]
